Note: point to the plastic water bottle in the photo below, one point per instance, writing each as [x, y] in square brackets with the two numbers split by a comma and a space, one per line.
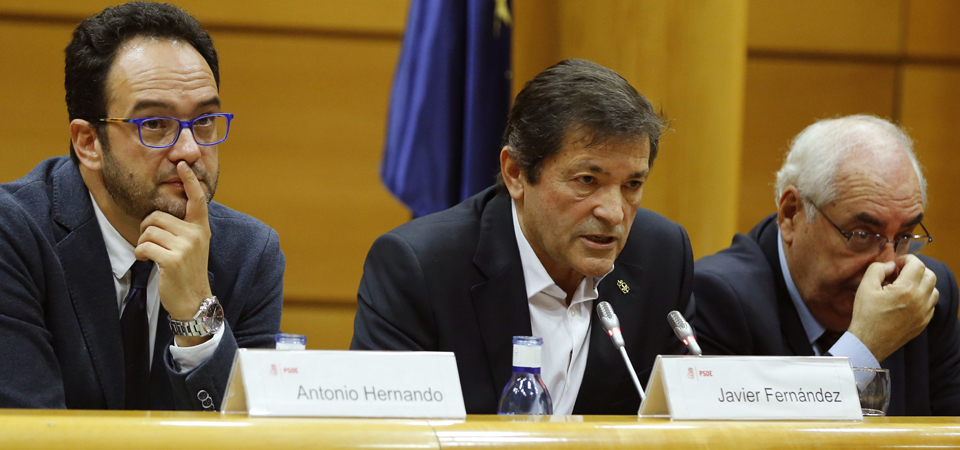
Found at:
[526, 393]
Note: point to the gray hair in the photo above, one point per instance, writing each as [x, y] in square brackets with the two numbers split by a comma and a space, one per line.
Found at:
[816, 153]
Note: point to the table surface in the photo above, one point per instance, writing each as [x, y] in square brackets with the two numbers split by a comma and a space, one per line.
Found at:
[46, 429]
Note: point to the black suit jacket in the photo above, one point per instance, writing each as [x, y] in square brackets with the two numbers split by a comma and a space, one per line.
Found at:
[453, 281]
[744, 308]
[60, 339]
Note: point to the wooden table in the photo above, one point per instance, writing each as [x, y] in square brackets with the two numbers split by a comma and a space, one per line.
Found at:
[61, 430]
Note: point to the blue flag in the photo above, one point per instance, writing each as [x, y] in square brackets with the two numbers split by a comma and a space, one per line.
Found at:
[449, 105]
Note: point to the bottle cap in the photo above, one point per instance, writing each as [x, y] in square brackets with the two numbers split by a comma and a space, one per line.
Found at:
[526, 351]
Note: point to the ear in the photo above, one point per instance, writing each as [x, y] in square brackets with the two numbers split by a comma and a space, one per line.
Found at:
[86, 144]
[790, 212]
[512, 175]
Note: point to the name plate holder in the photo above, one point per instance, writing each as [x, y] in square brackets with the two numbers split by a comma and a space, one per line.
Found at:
[752, 388]
[327, 383]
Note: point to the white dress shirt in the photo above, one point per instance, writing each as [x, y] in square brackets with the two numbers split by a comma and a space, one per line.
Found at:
[565, 329]
[848, 344]
[121, 261]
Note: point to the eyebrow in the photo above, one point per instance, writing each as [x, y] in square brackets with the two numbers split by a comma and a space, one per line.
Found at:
[868, 219]
[639, 174]
[145, 104]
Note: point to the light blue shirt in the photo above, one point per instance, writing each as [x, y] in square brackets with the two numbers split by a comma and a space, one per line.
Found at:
[848, 344]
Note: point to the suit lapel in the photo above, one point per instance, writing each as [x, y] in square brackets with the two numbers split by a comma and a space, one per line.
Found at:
[500, 303]
[86, 267]
[793, 333]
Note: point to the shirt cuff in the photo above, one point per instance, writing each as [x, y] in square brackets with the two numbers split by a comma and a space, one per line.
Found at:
[190, 357]
[850, 346]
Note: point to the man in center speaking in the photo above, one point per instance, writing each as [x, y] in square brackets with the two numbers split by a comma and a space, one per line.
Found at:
[561, 231]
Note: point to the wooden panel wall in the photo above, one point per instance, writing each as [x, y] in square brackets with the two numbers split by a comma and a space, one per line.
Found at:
[688, 58]
[814, 59]
[309, 83]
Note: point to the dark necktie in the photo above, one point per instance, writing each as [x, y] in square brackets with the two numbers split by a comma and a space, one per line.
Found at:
[826, 340]
[136, 339]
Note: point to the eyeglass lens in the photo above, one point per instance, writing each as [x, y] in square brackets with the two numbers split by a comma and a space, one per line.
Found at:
[161, 132]
[862, 243]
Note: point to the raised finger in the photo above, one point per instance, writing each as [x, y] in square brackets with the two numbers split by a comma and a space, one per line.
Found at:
[196, 199]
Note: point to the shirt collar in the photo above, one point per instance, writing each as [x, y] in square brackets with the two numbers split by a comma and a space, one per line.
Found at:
[120, 251]
[810, 325]
[535, 276]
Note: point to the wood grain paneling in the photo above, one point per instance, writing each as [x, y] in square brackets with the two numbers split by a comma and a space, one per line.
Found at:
[785, 96]
[932, 29]
[33, 115]
[536, 39]
[304, 152]
[364, 16]
[844, 26]
[327, 325]
[930, 115]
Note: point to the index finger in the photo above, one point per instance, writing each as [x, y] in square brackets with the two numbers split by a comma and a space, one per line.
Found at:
[196, 199]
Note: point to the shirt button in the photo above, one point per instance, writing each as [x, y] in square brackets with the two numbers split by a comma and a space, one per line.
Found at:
[573, 312]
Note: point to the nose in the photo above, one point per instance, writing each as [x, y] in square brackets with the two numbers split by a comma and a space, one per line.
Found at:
[609, 207]
[887, 253]
[186, 148]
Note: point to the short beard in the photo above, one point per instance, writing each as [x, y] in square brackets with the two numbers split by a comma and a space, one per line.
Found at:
[137, 199]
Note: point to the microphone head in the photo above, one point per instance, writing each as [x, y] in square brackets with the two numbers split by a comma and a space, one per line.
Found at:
[679, 324]
[607, 316]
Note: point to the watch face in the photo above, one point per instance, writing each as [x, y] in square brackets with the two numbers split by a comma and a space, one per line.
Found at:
[214, 318]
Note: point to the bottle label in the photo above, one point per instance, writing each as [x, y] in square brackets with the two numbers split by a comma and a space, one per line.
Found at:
[526, 356]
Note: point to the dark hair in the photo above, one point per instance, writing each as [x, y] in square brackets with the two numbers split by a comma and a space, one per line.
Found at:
[575, 96]
[91, 53]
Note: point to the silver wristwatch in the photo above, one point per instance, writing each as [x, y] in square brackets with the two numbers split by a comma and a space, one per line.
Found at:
[206, 321]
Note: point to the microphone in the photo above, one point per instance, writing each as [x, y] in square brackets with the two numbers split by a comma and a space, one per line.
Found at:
[684, 331]
[610, 323]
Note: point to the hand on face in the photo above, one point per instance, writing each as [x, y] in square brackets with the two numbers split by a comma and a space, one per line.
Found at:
[180, 248]
[885, 317]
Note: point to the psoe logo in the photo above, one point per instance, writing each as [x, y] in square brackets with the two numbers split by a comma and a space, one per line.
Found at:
[280, 370]
[705, 373]
[690, 373]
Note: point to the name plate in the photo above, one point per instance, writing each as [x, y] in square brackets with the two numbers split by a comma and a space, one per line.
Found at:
[314, 383]
[752, 388]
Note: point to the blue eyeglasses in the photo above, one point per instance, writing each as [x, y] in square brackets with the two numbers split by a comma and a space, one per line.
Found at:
[163, 132]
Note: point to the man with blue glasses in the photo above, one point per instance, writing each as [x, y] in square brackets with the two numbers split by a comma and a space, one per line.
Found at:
[122, 286]
[835, 272]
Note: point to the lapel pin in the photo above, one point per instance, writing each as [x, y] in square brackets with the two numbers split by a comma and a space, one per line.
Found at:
[623, 286]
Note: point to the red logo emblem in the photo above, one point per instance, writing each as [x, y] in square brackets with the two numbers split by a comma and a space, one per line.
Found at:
[690, 373]
[273, 369]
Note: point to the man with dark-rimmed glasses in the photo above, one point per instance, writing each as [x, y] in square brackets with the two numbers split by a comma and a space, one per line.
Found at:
[122, 286]
[836, 272]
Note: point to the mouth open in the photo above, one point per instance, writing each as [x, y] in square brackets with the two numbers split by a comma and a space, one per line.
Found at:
[595, 238]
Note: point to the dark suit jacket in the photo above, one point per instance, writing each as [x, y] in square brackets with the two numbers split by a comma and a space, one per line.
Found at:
[453, 281]
[60, 340]
[743, 308]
